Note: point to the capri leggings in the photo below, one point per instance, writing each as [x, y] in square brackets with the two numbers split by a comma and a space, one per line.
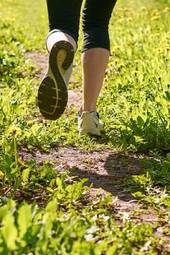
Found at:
[64, 15]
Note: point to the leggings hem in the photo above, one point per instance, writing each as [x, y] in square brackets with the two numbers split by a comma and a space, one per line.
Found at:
[94, 47]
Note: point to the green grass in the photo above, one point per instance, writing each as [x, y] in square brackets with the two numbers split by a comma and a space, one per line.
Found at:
[45, 212]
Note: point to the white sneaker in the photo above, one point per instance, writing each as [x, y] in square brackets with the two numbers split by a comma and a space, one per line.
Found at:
[52, 93]
[89, 123]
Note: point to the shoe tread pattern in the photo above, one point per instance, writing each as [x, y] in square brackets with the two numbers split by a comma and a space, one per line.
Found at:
[52, 93]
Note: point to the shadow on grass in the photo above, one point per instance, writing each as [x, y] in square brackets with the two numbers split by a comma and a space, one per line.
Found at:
[116, 174]
[111, 175]
[111, 171]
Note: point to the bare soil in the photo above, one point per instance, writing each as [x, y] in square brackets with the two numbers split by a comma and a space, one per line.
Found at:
[105, 171]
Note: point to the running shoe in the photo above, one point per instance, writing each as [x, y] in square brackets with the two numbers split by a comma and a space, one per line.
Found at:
[52, 93]
[89, 123]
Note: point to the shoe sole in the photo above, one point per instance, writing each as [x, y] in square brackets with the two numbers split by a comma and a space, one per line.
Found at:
[90, 133]
[52, 93]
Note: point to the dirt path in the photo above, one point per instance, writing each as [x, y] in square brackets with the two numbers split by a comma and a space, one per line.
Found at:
[105, 170]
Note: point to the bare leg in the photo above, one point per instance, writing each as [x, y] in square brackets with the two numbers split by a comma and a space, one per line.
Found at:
[94, 62]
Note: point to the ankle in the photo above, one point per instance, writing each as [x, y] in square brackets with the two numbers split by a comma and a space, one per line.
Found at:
[88, 109]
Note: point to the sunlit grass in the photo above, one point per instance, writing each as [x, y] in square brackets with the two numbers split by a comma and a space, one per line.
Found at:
[58, 217]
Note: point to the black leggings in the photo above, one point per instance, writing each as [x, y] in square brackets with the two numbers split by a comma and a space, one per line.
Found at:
[64, 16]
